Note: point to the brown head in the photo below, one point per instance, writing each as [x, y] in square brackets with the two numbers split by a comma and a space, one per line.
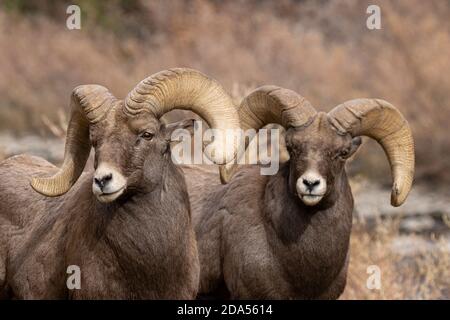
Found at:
[131, 143]
[318, 144]
[317, 157]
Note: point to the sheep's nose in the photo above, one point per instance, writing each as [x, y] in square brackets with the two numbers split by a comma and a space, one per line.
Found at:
[311, 184]
[102, 181]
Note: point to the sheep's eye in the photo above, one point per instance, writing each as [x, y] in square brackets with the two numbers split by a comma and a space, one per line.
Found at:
[344, 153]
[147, 135]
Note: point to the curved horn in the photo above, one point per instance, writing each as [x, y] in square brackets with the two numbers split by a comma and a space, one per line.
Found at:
[189, 89]
[270, 104]
[89, 104]
[381, 121]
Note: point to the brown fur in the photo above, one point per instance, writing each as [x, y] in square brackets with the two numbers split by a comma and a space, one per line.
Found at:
[142, 246]
[256, 238]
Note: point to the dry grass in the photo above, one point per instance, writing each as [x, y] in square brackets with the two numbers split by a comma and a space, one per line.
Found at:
[423, 275]
[321, 49]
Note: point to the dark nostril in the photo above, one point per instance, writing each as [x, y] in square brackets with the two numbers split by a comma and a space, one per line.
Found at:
[103, 181]
[311, 184]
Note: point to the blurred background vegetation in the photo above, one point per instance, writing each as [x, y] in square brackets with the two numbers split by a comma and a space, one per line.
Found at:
[322, 49]
[319, 48]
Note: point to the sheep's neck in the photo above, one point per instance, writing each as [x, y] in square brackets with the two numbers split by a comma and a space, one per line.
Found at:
[314, 240]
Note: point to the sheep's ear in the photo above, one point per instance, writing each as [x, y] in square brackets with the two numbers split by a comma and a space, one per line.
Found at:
[173, 137]
[283, 152]
[187, 124]
[356, 142]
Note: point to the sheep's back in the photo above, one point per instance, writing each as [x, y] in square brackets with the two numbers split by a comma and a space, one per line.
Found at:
[207, 194]
[19, 203]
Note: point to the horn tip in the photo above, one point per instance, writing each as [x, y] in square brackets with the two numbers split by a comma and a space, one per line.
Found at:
[398, 195]
[225, 174]
[395, 201]
[40, 185]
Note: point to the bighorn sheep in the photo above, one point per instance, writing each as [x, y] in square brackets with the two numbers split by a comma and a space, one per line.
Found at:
[131, 236]
[286, 236]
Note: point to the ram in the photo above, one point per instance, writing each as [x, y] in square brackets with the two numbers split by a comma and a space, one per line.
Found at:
[286, 236]
[126, 225]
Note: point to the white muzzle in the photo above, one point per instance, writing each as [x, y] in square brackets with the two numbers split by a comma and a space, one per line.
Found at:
[311, 187]
[108, 183]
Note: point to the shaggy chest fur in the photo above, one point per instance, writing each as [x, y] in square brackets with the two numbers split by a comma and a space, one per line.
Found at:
[310, 243]
[118, 255]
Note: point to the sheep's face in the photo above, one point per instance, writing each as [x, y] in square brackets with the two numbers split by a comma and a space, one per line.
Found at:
[130, 154]
[317, 156]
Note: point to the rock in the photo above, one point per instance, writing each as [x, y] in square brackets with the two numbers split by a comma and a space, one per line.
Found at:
[51, 149]
[417, 224]
[371, 200]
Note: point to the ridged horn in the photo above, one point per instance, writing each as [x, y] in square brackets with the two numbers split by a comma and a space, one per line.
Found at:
[270, 104]
[382, 122]
[188, 89]
[89, 104]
